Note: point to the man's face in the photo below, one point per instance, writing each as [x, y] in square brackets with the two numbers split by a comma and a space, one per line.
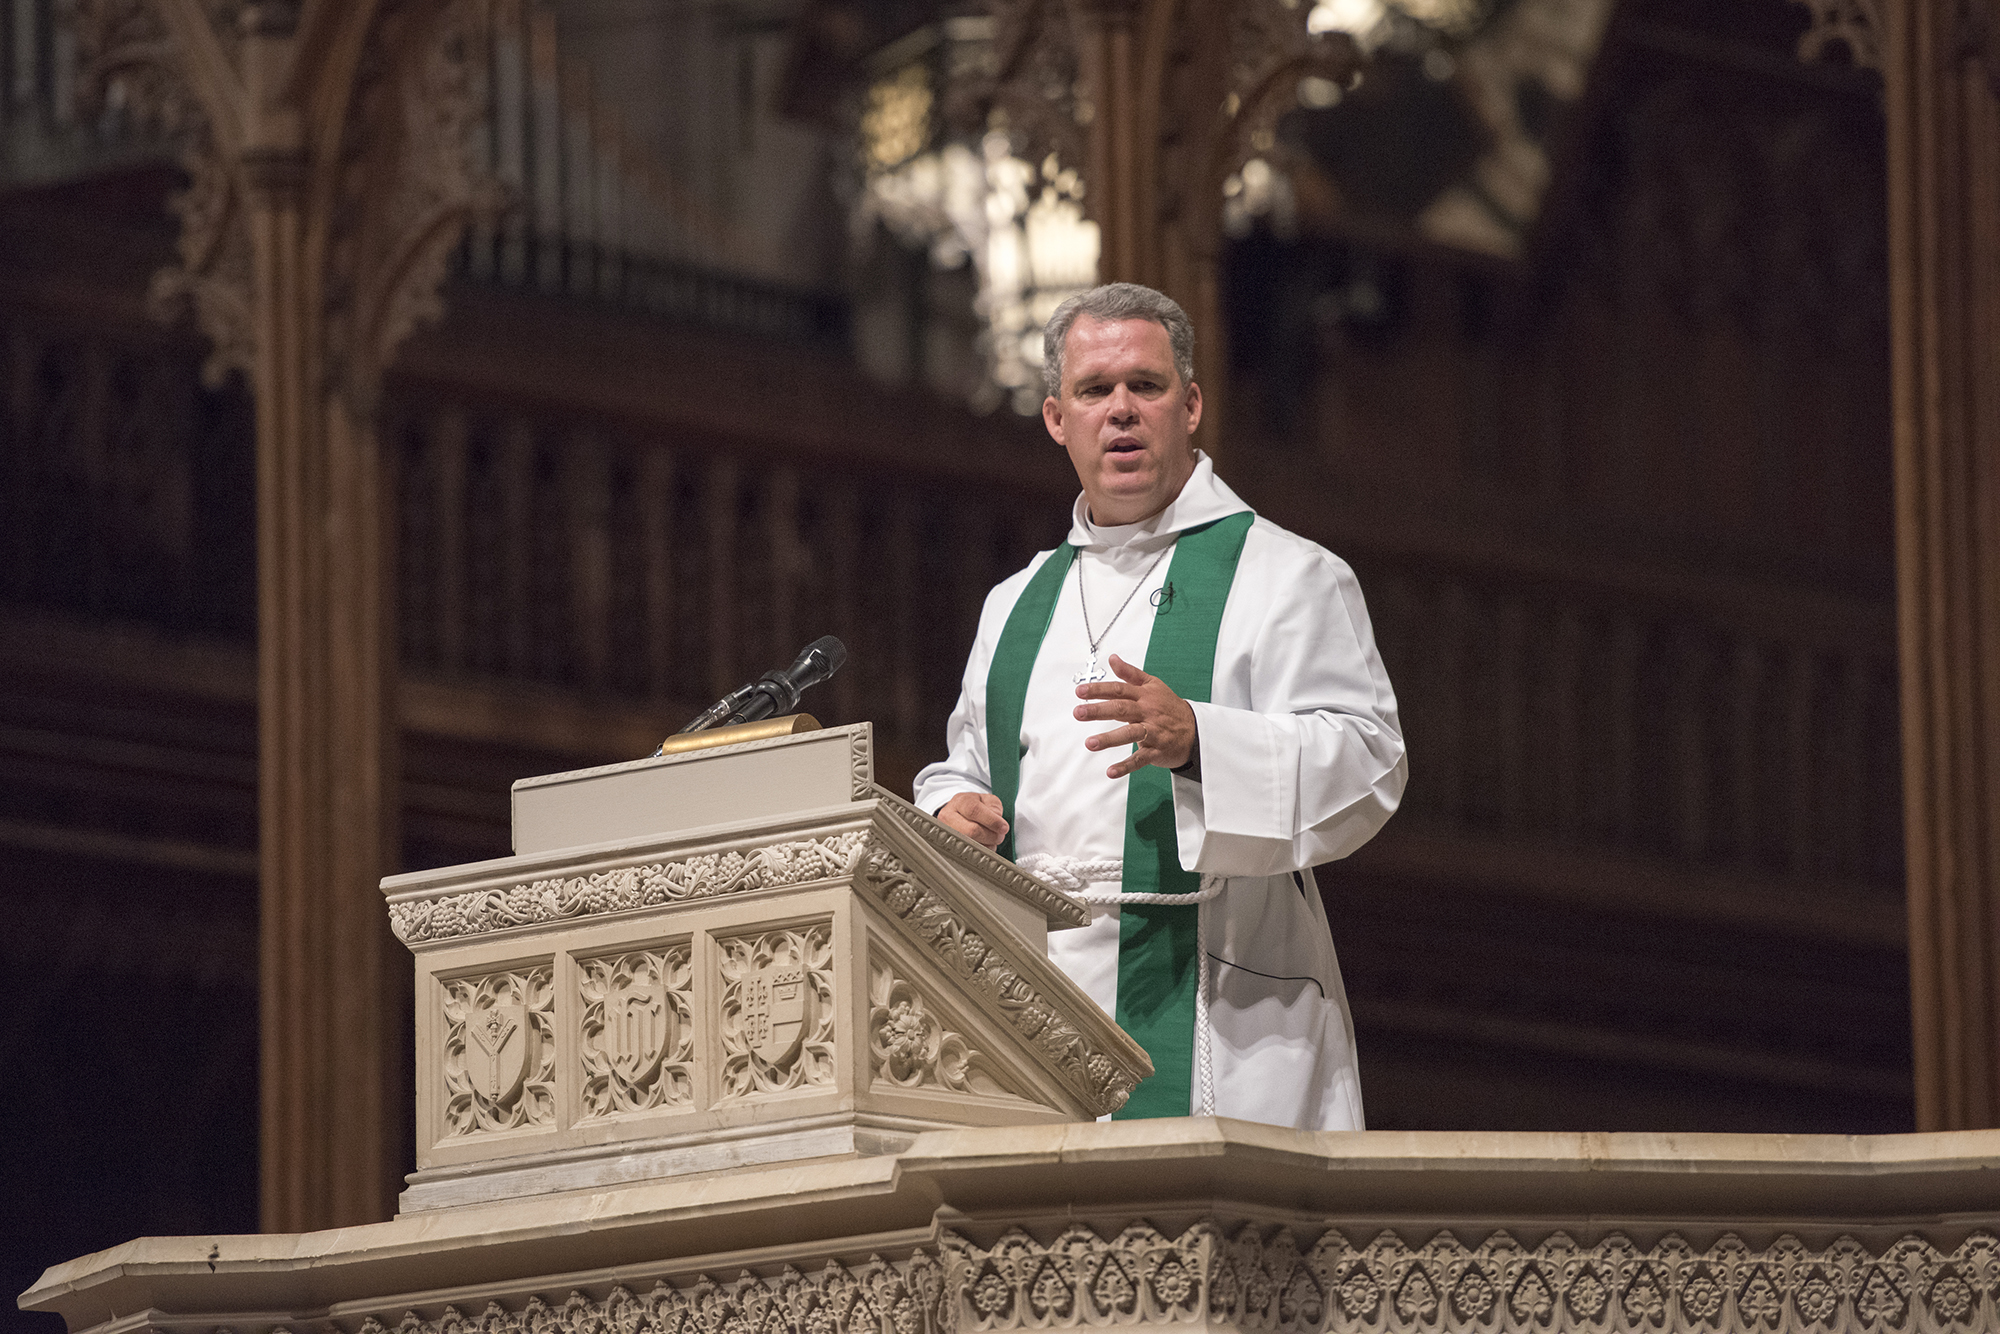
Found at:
[1125, 417]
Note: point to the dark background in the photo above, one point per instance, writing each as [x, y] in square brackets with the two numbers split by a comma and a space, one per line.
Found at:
[1621, 510]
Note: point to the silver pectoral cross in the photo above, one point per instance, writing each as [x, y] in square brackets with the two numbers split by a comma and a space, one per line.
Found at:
[1091, 673]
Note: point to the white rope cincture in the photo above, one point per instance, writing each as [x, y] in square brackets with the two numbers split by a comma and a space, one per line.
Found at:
[1074, 876]
[1071, 875]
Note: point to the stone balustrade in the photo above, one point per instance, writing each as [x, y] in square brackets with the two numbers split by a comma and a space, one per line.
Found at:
[1195, 1223]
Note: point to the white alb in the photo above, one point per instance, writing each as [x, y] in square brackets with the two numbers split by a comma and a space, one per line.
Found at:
[1301, 763]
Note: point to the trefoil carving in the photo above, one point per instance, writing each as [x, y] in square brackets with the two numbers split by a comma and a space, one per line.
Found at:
[1079, 1279]
[911, 1049]
[880, 1297]
[1254, 1278]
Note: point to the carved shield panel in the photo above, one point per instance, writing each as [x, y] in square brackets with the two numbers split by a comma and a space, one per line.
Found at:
[777, 1011]
[774, 1011]
[638, 1027]
[637, 1048]
[499, 1051]
[496, 1050]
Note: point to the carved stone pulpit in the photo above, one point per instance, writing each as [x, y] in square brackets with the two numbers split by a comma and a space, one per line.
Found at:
[738, 1043]
[732, 956]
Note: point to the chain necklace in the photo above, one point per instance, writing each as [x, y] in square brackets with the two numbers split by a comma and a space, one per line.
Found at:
[1094, 672]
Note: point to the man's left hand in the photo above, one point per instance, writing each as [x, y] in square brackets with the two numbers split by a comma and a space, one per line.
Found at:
[1159, 722]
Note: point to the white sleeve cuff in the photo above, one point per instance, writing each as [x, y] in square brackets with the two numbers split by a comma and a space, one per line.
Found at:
[1237, 819]
[1249, 768]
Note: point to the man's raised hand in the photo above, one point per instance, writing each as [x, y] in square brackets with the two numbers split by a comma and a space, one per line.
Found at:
[978, 816]
[1159, 722]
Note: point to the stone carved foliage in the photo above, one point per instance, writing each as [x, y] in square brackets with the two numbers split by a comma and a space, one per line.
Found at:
[1052, 903]
[1259, 1279]
[912, 1050]
[499, 1051]
[403, 191]
[879, 1297]
[777, 1012]
[409, 182]
[213, 281]
[1094, 1076]
[626, 888]
[638, 1031]
[1615, 1285]
[1252, 1280]
[861, 766]
[129, 71]
[1079, 1279]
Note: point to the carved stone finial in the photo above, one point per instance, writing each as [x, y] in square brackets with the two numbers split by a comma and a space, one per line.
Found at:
[1857, 24]
[268, 18]
[1979, 37]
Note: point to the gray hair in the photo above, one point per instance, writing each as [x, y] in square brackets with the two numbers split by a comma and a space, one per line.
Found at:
[1118, 301]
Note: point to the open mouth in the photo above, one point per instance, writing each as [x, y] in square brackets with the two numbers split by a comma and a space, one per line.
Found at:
[1125, 447]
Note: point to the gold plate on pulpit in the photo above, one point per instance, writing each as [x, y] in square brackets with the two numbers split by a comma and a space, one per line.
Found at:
[762, 730]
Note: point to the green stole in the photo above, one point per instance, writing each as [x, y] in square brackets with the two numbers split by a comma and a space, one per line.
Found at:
[1158, 967]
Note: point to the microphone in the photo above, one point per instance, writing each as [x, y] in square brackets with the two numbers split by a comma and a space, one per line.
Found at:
[776, 691]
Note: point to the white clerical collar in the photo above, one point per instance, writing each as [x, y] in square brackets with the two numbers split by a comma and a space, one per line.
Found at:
[1204, 499]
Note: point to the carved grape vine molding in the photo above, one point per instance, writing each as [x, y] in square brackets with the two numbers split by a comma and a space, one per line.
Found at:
[1100, 1081]
[1052, 903]
[624, 888]
[711, 875]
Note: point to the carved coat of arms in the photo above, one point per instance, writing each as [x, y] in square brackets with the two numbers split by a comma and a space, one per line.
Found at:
[774, 1011]
[638, 1028]
[496, 1051]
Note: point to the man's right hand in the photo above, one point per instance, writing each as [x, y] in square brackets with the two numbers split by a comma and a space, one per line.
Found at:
[977, 816]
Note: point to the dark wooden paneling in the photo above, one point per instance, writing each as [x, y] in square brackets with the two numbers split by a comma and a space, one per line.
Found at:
[1622, 517]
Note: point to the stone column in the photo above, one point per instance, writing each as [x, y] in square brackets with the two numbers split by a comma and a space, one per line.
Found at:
[333, 1143]
[1122, 131]
[328, 149]
[1941, 72]
[1156, 205]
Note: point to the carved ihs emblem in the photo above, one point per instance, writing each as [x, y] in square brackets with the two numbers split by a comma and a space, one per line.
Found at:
[638, 1028]
[496, 1057]
[774, 1011]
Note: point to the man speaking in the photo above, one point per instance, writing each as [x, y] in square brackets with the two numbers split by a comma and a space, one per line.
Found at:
[1174, 715]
